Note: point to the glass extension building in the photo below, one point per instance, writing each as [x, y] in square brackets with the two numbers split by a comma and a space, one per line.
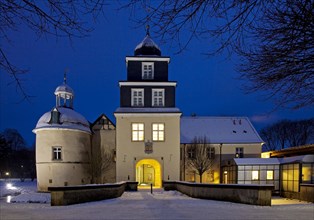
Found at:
[289, 175]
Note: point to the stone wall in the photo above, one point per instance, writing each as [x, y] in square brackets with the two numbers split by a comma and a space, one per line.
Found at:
[306, 193]
[86, 193]
[248, 194]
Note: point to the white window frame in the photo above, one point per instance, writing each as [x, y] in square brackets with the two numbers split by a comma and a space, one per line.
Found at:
[210, 152]
[146, 74]
[56, 153]
[138, 131]
[158, 97]
[191, 152]
[239, 152]
[158, 132]
[135, 98]
[255, 175]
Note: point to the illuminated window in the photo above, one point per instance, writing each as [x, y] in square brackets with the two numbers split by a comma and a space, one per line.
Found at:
[239, 152]
[137, 132]
[137, 97]
[56, 153]
[270, 175]
[307, 173]
[158, 98]
[158, 132]
[147, 70]
[255, 175]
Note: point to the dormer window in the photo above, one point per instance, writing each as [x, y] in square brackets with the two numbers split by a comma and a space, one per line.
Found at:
[55, 117]
[137, 97]
[147, 70]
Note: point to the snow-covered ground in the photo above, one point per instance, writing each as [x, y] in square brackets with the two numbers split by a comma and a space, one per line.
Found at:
[29, 204]
[15, 191]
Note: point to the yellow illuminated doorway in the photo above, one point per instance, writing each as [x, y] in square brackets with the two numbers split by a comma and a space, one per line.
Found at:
[148, 172]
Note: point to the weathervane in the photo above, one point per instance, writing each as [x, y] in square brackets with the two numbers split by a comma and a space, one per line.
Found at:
[147, 29]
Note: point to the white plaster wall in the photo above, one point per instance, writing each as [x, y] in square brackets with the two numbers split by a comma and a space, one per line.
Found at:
[167, 153]
[248, 148]
[73, 169]
[104, 140]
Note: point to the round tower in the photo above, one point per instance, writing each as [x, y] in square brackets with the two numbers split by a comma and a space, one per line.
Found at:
[63, 144]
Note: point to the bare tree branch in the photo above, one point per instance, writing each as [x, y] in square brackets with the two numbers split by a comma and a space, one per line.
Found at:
[200, 156]
[273, 37]
[283, 64]
[62, 18]
[102, 162]
[286, 133]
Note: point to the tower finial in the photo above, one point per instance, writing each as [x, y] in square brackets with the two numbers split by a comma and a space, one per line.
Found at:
[65, 76]
[147, 29]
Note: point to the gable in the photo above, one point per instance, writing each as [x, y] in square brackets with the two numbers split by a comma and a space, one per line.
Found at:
[103, 122]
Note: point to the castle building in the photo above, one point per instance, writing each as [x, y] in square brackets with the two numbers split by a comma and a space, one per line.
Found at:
[149, 143]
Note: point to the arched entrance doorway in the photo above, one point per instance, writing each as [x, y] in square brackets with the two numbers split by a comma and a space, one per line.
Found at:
[148, 171]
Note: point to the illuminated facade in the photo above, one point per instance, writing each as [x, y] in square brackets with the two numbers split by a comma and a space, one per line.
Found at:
[225, 137]
[150, 140]
[148, 122]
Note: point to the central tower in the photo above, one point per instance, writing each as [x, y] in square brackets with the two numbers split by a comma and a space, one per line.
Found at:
[148, 122]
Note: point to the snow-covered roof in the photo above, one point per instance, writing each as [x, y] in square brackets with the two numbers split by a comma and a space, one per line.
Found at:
[274, 161]
[147, 47]
[147, 110]
[298, 159]
[64, 88]
[69, 119]
[217, 130]
[256, 161]
[147, 42]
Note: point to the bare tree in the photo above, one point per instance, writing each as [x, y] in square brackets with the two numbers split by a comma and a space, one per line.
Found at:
[15, 157]
[282, 63]
[63, 18]
[274, 38]
[14, 139]
[200, 156]
[275, 136]
[286, 133]
[300, 133]
[102, 162]
[5, 155]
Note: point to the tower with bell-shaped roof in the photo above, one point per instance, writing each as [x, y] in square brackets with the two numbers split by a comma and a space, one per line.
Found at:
[63, 144]
[148, 121]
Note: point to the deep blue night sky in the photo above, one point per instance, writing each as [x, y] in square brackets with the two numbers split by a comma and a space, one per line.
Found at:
[206, 85]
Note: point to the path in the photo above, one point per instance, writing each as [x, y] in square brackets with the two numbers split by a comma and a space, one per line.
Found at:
[159, 205]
